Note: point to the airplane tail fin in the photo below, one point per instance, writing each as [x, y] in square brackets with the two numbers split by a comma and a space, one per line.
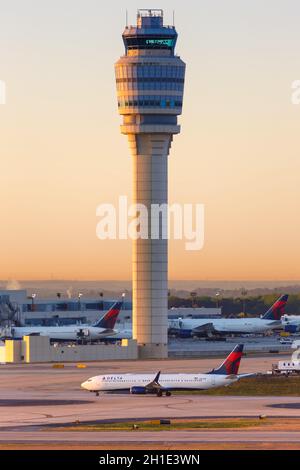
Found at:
[232, 362]
[108, 321]
[277, 310]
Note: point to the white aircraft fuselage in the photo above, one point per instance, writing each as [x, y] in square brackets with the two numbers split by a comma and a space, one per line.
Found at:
[290, 320]
[102, 328]
[269, 321]
[115, 382]
[64, 333]
[230, 325]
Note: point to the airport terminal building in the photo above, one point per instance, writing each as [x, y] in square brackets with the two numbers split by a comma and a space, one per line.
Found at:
[19, 306]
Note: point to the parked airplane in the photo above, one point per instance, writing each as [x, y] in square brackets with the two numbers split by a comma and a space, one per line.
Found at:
[142, 384]
[187, 327]
[291, 323]
[102, 328]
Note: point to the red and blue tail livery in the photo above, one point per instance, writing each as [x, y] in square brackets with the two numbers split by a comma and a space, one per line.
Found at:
[232, 362]
[277, 309]
[108, 321]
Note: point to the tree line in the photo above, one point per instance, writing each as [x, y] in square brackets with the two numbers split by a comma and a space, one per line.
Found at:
[251, 306]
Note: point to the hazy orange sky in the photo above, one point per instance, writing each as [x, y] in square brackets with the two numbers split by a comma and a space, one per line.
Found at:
[62, 153]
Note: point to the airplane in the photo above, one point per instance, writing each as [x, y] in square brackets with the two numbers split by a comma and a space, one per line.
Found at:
[103, 327]
[142, 384]
[291, 323]
[221, 326]
[208, 327]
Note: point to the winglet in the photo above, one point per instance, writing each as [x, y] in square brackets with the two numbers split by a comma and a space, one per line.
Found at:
[157, 378]
[154, 385]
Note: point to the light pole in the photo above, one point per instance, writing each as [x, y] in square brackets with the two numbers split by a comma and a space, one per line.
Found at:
[79, 300]
[217, 298]
[101, 303]
[193, 295]
[244, 293]
[33, 296]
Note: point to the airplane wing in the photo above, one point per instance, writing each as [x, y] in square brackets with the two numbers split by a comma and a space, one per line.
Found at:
[154, 385]
[206, 328]
[275, 323]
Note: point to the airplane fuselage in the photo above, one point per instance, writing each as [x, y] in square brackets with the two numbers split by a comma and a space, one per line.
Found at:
[290, 320]
[63, 333]
[229, 325]
[115, 382]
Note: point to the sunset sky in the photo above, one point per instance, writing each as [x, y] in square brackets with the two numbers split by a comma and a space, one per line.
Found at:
[62, 153]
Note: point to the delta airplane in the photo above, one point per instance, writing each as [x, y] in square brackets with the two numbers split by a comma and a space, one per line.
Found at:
[221, 326]
[102, 328]
[142, 384]
[291, 323]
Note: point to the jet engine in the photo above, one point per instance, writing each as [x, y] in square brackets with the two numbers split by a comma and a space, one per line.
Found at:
[138, 390]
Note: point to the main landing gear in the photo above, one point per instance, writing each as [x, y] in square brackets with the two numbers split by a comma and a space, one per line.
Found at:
[159, 393]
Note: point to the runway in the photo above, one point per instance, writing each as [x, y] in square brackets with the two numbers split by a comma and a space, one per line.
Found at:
[84, 407]
[187, 347]
[150, 437]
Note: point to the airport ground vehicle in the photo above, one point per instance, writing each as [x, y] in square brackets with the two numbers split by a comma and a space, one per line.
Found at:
[285, 340]
[288, 367]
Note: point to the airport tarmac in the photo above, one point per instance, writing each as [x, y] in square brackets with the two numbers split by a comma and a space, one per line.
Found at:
[190, 347]
[33, 398]
[70, 407]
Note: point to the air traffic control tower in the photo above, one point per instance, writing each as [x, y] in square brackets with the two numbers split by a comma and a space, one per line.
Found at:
[150, 82]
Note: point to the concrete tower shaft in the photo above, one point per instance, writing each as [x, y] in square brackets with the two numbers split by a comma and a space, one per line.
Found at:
[150, 82]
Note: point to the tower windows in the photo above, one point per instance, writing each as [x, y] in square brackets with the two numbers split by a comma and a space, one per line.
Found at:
[150, 42]
[150, 83]
[150, 101]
